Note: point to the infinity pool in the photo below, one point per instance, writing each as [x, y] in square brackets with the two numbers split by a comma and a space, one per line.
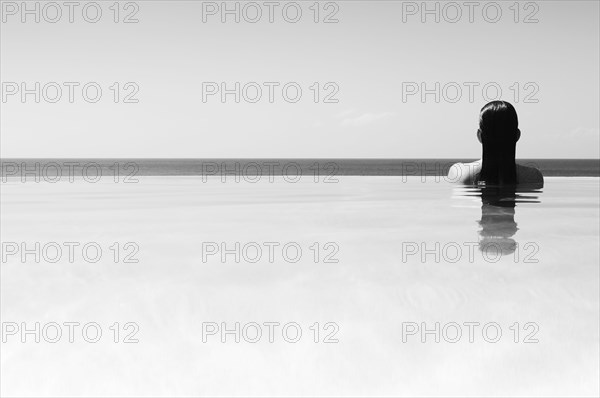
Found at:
[364, 275]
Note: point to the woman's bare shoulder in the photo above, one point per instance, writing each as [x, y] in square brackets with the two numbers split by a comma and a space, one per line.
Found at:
[529, 175]
[464, 173]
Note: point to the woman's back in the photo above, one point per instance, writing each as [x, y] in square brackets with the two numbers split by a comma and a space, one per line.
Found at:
[468, 173]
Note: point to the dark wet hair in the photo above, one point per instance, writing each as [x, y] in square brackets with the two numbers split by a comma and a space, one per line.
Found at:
[499, 129]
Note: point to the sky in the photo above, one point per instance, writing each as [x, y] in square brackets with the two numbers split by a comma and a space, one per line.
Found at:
[360, 69]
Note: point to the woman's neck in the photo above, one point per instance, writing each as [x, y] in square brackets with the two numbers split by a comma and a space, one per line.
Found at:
[498, 168]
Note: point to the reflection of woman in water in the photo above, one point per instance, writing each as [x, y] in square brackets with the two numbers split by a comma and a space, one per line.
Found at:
[498, 133]
[497, 222]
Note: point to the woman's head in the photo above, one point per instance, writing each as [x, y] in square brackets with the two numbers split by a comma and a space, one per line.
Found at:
[498, 133]
[498, 124]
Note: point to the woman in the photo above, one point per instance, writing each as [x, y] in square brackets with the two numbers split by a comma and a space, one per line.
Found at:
[498, 133]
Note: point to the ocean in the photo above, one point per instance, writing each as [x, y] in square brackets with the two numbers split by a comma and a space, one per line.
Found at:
[247, 167]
